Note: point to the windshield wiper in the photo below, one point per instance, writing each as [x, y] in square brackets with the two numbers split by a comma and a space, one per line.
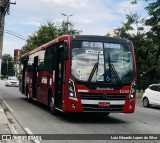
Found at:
[93, 70]
[112, 68]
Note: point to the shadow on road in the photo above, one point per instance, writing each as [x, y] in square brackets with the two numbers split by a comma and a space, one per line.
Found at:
[80, 117]
[91, 118]
[154, 107]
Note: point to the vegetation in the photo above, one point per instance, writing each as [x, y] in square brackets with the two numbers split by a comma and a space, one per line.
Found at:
[139, 94]
[146, 42]
[7, 65]
[48, 32]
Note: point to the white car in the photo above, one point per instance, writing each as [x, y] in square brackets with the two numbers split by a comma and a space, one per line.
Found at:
[12, 81]
[151, 95]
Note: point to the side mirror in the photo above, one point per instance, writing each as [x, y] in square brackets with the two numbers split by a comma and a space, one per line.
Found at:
[65, 44]
[65, 52]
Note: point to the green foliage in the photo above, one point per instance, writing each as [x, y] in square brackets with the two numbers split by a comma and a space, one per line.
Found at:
[48, 32]
[7, 65]
[147, 43]
[154, 21]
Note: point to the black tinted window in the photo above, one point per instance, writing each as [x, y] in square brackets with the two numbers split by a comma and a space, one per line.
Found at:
[154, 87]
[49, 58]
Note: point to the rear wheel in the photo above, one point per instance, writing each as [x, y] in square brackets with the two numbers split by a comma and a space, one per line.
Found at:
[146, 102]
[52, 105]
[27, 95]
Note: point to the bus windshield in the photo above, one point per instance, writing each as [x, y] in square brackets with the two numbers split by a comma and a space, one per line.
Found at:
[101, 62]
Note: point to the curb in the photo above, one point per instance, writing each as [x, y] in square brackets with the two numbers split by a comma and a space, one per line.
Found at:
[6, 121]
[4, 107]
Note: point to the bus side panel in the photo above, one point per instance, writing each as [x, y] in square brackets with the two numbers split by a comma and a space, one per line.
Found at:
[44, 81]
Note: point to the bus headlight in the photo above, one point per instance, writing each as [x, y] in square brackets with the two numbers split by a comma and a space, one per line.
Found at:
[133, 91]
[72, 91]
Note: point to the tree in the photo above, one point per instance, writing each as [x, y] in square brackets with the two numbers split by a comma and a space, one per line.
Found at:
[154, 22]
[47, 33]
[150, 57]
[145, 49]
[62, 28]
[7, 65]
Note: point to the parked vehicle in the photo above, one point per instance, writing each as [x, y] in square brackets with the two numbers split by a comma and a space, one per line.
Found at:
[151, 95]
[12, 81]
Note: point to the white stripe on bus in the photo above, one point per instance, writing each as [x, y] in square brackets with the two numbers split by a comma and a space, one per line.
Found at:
[112, 102]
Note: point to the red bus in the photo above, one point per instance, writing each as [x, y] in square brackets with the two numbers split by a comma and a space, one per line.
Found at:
[81, 73]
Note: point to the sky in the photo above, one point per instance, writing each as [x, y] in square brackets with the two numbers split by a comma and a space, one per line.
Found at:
[93, 17]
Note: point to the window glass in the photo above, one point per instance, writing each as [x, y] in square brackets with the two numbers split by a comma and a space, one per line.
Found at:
[49, 58]
[40, 55]
[30, 62]
[154, 87]
[102, 61]
[85, 56]
[12, 78]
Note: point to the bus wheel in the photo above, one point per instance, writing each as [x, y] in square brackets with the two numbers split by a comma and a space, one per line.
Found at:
[27, 94]
[52, 105]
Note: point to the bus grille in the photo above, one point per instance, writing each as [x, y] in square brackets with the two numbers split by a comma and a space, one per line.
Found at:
[96, 108]
[107, 98]
[103, 97]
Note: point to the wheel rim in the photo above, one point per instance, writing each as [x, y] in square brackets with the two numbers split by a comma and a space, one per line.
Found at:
[51, 104]
[28, 96]
[145, 102]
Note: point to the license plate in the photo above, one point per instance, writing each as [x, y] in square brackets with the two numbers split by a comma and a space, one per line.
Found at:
[104, 104]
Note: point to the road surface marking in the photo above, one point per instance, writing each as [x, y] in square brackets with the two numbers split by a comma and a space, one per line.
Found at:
[13, 130]
[10, 109]
[30, 133]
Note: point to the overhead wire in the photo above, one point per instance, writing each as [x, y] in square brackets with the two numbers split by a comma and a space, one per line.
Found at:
[15, 34]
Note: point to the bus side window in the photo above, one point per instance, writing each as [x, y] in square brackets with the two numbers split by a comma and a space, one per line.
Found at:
[30, 62]
[49, 58]
[41, 55]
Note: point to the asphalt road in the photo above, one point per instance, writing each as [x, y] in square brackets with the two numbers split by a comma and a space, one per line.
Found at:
[37, 119]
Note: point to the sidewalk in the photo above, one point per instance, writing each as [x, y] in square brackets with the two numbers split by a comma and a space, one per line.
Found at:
[5, 126]
[9, 125]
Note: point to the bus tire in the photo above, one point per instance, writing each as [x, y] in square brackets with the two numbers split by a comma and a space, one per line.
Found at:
[51, 104]
[27, 94]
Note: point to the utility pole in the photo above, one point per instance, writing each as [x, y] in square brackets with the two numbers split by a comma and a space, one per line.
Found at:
[7, 67]
[67, 20]
[4, 9]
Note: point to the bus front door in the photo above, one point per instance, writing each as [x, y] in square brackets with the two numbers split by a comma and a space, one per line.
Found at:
[23, 76]
[59, 76]
[34, 78]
